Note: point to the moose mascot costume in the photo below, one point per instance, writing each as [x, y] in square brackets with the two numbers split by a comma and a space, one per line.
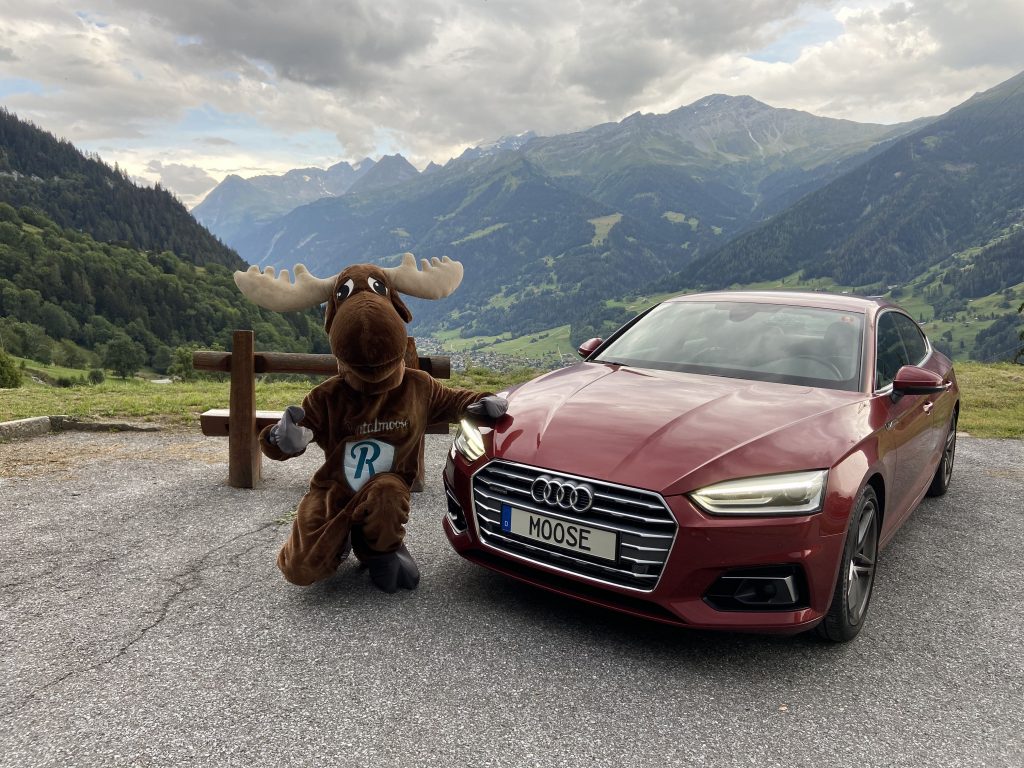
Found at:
[369, 419]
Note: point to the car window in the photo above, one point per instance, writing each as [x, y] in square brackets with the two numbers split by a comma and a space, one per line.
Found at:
[890, 354]
[913, 339]
[807, 346]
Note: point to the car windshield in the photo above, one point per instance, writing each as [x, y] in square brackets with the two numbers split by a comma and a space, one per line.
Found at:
[746, 340]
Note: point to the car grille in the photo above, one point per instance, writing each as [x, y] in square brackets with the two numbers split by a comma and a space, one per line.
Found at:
[645, 527]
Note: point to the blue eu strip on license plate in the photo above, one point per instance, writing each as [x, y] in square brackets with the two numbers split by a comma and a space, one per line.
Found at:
[506, 518]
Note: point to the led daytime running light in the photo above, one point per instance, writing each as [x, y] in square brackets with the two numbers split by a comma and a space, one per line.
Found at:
[799, 493]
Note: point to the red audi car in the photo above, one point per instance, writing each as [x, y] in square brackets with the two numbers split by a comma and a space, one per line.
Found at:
[724, 461]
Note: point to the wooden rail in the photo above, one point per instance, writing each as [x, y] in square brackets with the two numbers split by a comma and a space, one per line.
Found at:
[242, 423]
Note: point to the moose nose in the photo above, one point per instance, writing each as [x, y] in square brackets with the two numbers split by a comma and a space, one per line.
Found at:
[367, 331]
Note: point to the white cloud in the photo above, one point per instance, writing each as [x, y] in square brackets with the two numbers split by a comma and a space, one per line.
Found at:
[189, 181]
[228, 85]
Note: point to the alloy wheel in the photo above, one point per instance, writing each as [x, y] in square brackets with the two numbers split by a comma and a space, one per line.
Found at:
[861, 574]
[948, 454]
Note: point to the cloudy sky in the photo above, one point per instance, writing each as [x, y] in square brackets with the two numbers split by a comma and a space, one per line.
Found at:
[187, 91]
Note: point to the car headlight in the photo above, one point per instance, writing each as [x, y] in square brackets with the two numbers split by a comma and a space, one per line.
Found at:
[798, 493]
[469, 442]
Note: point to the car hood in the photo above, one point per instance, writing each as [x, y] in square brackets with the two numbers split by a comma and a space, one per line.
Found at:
[674, 432]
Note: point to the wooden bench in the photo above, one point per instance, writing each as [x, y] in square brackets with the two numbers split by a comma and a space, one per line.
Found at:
[241, 423]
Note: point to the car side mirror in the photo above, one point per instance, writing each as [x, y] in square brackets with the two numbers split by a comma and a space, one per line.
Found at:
[587, 348]
[911, 380]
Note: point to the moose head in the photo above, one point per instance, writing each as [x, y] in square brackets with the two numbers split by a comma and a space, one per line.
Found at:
[366, 317]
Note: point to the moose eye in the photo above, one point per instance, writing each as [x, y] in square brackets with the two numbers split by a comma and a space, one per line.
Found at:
[345, 290]
[377, 286]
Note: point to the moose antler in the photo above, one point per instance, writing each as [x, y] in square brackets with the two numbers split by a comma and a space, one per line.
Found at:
[279, 293]
[438, 278]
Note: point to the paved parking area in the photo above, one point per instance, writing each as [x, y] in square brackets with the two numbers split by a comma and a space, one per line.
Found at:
[143, 622]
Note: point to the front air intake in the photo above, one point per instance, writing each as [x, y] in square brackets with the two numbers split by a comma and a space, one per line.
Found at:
[769, 588]
[455, 514]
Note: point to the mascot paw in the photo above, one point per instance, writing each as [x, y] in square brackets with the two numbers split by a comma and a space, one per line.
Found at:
[288, 435]
[490, 407]
[394, 570]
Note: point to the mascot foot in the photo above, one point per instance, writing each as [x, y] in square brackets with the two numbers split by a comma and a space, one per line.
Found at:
[394, 570]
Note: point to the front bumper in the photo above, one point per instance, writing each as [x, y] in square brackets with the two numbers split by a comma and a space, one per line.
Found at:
[705, 549]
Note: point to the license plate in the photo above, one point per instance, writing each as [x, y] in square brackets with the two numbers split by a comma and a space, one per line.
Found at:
[559, 533]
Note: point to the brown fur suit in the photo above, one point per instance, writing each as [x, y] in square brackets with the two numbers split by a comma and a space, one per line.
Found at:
[369, 420]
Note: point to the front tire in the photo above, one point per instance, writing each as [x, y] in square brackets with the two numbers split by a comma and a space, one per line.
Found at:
[856, 579]
[944, 472]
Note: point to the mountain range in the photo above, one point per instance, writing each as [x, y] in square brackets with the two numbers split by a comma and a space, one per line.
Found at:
[955, 183]
[562, 237]
[549, 228]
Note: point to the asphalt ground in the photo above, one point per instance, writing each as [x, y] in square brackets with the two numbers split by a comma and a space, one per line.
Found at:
[143, 623]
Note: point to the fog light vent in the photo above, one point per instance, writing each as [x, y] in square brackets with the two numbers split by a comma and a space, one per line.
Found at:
[769, 588]
[455, 513]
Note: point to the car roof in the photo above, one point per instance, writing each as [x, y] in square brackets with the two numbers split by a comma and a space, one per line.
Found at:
[845, 302]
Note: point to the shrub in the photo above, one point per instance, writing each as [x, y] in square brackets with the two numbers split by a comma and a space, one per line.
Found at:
[96, 376]
[10, 373]
[124, 356]
[181, 363]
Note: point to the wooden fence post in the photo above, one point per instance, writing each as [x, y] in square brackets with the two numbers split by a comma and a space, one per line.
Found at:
[243, 447]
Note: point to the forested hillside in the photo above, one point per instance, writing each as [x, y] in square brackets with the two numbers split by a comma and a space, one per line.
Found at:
[953, 185]
[40, 171]
[65, 296]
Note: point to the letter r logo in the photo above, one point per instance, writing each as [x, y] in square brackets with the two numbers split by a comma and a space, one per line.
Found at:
[366, 458]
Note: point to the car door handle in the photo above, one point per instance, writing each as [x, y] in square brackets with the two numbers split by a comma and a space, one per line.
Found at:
[928, 407]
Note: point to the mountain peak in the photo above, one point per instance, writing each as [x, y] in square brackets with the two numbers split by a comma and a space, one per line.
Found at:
[386, 172]
[720, 101]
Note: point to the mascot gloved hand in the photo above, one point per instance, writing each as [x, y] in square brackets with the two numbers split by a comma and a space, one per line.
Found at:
[287, 435]
[488, 408]
[369, 419]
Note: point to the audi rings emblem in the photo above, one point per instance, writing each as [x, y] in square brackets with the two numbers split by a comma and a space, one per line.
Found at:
[561, 493]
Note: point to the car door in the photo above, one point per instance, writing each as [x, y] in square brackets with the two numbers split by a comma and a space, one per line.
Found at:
[909, 425]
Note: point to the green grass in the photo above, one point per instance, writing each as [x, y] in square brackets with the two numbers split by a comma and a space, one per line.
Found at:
[138, 400]
[180, 403]
[486, 380]
[456, 343]
[550, 343]
[993, 398]
[602, 226]
[676, 217]
[537, 345]
[48, 372]
[480, 233]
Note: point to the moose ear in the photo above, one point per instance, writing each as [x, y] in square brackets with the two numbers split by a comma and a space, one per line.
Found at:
[400, 308]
